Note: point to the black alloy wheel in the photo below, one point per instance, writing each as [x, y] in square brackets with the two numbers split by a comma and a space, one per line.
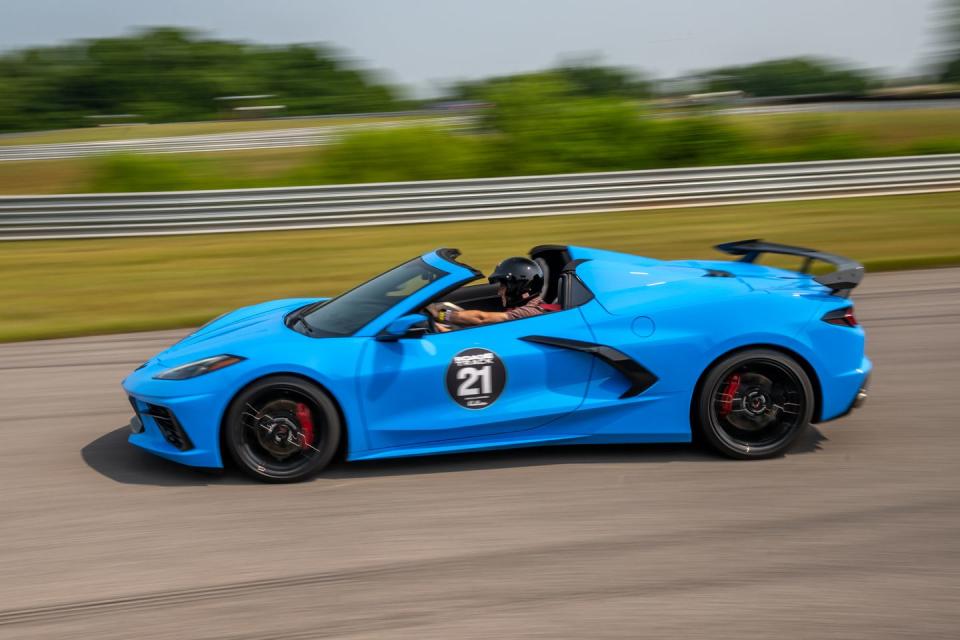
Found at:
[282, 429]
[754, 404]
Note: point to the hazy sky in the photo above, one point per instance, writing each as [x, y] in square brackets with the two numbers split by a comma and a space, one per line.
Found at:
[423, 42]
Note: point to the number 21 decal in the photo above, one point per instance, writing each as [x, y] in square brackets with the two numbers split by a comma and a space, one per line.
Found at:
[475, 378]
[470, 375]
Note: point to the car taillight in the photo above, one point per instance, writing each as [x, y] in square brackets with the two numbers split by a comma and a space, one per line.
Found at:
[843, 317]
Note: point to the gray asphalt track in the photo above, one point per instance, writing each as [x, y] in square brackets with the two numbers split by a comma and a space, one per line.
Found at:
[853, 535]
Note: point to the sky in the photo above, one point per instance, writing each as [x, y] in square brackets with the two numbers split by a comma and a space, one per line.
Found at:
[426, 43]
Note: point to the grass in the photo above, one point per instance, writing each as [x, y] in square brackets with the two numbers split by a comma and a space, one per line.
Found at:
[45, 177]
[164, 130]
[251, 168]
[69, 288]
[890, 129]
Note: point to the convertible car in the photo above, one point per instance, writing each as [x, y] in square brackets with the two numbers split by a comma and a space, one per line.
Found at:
[632, 350]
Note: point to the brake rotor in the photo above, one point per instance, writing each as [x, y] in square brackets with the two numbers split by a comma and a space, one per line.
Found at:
[751, 405]
[278, 429]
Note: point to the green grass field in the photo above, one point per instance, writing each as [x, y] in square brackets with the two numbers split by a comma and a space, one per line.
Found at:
[67, 288]
[259, 167]
[886, 129]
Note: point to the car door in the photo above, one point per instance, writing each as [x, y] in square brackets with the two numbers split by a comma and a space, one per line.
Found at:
[480, 382]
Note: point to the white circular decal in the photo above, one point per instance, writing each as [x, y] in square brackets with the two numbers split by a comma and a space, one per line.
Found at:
[475, 378]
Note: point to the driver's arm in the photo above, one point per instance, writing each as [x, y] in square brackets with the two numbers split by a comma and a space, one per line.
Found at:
[471, 317]
[467, 317]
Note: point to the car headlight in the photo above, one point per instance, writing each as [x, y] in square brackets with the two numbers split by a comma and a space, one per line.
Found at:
[198, 368]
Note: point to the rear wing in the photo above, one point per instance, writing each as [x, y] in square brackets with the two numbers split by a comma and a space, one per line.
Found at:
[848, 274]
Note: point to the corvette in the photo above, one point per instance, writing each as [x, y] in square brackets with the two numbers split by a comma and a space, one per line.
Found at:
[631, 350]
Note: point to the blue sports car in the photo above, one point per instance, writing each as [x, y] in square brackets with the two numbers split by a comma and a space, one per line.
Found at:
[630, 350]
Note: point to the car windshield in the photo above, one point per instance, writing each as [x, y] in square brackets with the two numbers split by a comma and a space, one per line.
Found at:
[347, 313]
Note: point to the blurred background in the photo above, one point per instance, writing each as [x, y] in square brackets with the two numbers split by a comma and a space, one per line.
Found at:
[121, 123]
[575, 90]
[237, 95]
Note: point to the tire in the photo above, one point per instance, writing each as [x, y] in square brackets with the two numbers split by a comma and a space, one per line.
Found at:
[266, 429]
[753, 404]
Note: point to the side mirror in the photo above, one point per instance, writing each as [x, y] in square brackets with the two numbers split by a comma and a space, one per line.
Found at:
[409, 326]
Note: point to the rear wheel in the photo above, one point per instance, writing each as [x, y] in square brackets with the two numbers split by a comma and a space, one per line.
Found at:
[754, 404]
[282, 429]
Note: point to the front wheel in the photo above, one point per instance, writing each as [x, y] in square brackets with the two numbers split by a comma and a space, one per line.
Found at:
[754, 404]
[282, 429]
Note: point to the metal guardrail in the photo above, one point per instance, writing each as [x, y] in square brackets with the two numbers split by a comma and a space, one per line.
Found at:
[191, 212]
[234, 141]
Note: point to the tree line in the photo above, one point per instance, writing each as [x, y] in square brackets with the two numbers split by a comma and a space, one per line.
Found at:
[169, 74]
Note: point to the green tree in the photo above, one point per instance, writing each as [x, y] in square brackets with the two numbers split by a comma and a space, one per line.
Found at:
[580, 78]
[950, 41]
[166, 74]
[541, 126]
[791, 76]
[594, 80]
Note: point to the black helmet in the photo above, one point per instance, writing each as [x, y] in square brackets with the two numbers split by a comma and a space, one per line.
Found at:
[522, 277]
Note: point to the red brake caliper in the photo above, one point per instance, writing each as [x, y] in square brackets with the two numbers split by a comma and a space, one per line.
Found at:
[726, 403]
[306, 423]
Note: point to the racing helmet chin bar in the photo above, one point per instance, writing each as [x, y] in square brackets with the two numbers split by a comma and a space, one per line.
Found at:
[847, 275]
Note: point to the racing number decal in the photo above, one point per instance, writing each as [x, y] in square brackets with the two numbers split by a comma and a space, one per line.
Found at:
[470, 375]
[475, 378]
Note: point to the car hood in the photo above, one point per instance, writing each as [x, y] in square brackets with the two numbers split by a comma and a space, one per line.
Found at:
[230, 332]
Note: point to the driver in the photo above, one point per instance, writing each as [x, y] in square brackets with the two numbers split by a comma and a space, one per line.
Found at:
[520, 283]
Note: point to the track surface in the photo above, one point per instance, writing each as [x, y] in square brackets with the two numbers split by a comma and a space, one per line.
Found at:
[856, 534]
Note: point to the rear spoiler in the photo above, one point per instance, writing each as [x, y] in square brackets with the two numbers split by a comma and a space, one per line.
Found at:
[848, 274]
